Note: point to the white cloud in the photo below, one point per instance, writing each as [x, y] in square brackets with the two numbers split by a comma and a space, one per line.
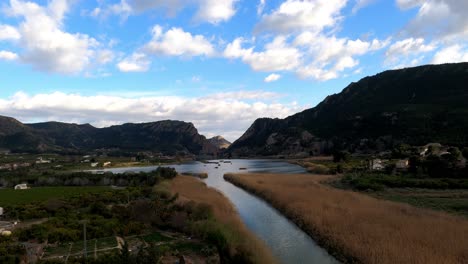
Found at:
[260, 7]
[227, 114]
[328, 56]
[105, 56]
[406, 4]
[295, 15]
[177, 42]
[9, 33]
[360, 4]
[452, 54]
[45, 45]
[441, 19]
[7, 55]
[211, 11]
[137, 62]
[272, 78]
[277, 56]
[310, 55]
[407, 52]
[215, 11]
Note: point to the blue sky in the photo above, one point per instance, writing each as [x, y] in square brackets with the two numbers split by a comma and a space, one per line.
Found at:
[217, 63]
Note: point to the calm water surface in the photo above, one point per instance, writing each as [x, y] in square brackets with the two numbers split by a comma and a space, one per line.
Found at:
[287, 242]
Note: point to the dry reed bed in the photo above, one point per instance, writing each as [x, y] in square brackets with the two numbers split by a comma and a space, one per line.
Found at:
[192, 189]
[358, 228]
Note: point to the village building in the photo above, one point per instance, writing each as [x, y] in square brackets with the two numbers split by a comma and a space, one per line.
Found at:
[402, 164]
[42, 161]
[107, 164]
[94, 164]
[376, 164]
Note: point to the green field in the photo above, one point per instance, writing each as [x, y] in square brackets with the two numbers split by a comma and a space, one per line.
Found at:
[17, 197]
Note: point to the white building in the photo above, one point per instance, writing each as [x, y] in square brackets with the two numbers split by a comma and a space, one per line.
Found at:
[22, 186]
[94, 164]
[107, 164]
[42, 161]
[1, 211]
[402, 164]
[376, 164]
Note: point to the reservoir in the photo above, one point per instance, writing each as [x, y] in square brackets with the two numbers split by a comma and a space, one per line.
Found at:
[286, 241]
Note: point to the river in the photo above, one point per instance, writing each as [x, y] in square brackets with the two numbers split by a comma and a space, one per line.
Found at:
[286, 241]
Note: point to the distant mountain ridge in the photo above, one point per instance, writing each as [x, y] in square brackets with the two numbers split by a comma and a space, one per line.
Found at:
[168, 137]
[413, 106]
[220, 142]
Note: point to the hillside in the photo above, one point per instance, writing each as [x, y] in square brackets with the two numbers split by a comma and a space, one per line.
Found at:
[413, 106]
[220, 142]
[167, 137]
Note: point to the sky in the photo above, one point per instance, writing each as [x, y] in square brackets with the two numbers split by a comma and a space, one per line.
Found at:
[219, 64]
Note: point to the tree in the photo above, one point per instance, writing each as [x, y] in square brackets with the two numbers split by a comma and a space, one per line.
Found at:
[455, 154]
[465, 152]
[339, 156]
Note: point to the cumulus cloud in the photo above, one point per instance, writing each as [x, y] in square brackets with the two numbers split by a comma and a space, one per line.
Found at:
[277, 55]
[45, 45]
[441, 19]
[215, 11]
[211, 11]
[212, 115]
[295, 15]
[272, 78]
[137, 62]
[328, 56]
[8, 55]
[177, 42]
[9, 33]
[407, 52]
[451, 54]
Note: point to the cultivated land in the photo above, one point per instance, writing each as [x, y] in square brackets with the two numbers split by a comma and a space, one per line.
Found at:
[38, 194]
[356, 227]
[237, 236]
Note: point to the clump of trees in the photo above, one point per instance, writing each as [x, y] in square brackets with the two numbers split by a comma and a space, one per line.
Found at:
[51, 178]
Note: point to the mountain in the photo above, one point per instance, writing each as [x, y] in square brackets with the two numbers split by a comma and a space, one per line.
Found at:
[412, 106]
[219, 142]
[168, 137]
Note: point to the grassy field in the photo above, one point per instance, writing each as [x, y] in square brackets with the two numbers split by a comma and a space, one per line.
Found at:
[17, 197]
[360, 228]
[239, 238]
[452, 201]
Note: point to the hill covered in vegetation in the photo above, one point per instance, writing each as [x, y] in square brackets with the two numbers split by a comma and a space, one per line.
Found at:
[168, 137]
[412, 106]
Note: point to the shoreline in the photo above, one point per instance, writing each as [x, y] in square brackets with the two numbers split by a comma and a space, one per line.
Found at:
[321, 241]
[240, 238]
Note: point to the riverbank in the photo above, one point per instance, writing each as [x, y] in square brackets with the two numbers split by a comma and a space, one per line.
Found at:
[358, 228]
[239, 239]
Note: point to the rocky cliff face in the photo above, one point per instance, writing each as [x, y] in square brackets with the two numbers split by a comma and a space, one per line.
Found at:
[169, 137]
[219, 142]
[414, 106]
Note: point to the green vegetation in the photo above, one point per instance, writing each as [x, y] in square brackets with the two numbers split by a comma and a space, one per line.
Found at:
[142, 211]
[414, 106]
[378, 181]
[51, 178]
[11, 197]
